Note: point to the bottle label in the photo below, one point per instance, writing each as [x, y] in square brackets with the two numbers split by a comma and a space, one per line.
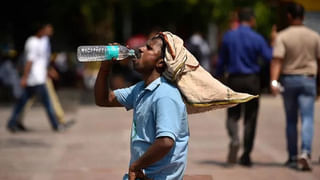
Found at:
[112, 52]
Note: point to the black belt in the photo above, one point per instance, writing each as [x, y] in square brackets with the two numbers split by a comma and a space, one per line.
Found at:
[243, 75]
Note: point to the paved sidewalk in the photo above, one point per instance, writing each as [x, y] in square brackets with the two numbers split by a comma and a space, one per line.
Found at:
[97, 146]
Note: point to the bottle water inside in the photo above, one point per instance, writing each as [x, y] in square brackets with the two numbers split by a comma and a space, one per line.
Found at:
[102, 53]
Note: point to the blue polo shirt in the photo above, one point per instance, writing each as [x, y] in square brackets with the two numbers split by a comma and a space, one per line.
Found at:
[240, 50]
[158, 111]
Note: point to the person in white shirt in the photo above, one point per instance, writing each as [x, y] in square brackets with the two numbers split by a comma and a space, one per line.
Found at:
[52, 75]
[34, 78]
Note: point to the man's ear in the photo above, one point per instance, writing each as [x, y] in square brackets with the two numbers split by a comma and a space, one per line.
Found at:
[162, 61]
[161, 64]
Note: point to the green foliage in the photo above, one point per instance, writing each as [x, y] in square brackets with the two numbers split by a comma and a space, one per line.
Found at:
[96, 21]
[222, 9]
[264, 17]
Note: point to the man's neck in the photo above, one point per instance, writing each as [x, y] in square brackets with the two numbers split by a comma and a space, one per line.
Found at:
[39, 35]
[296, 22]
[151, 77]
[244, 23]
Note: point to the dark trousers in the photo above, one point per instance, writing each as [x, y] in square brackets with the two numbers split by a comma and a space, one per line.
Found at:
[247, 84]
[30, 91]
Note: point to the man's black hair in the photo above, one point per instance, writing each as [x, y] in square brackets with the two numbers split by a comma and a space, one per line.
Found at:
[37, 26]
[245, 14]
[164, 45]
[295, 10]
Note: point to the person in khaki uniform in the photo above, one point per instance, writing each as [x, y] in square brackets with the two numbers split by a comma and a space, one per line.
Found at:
[296, 59]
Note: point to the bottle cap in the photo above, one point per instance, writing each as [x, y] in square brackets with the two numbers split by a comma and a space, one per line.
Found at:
[137, 53]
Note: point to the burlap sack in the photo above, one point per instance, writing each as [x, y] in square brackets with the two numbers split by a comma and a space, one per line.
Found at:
[200, 90]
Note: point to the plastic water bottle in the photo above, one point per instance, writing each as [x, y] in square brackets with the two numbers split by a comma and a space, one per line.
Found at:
[277, 85]
[281, 88]
[102, 53]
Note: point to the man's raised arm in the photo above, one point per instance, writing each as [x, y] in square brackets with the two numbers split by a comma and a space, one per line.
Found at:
[104, 96]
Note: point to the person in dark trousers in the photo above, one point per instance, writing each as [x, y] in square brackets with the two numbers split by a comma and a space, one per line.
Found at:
[34, 79]
[159, 133]
[53, 97]
[238, 56]
[295, 64]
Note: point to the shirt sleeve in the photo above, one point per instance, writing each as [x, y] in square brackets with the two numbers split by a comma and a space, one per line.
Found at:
[318, 48]
[168, 118]
[279, 48]
[265, 50]
[31, 51]
[125, 96]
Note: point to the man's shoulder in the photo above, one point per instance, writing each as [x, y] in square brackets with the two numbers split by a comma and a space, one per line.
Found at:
[229, 33]
[284, 33]
[31, 41]
[311, 31]
[251, 32]
[169, 90]
[131, 89]
[293, 31]
[287, 30]
[241, 31]
[168, 85]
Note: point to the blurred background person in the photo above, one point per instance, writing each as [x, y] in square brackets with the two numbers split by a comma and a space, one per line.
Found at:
[9, 76]
[239, 53]
[199, 47]
[52, 75]
[296, 59]
[34, 78]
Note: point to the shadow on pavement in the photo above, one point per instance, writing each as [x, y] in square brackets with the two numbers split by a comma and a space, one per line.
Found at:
[257, 164]
[20, 143]
[226, 165]
[216, 163]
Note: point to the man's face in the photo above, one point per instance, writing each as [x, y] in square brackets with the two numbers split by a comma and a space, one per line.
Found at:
[150, 55]
[48, 30]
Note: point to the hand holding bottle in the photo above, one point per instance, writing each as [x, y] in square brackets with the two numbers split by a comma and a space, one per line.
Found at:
[276, 87]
